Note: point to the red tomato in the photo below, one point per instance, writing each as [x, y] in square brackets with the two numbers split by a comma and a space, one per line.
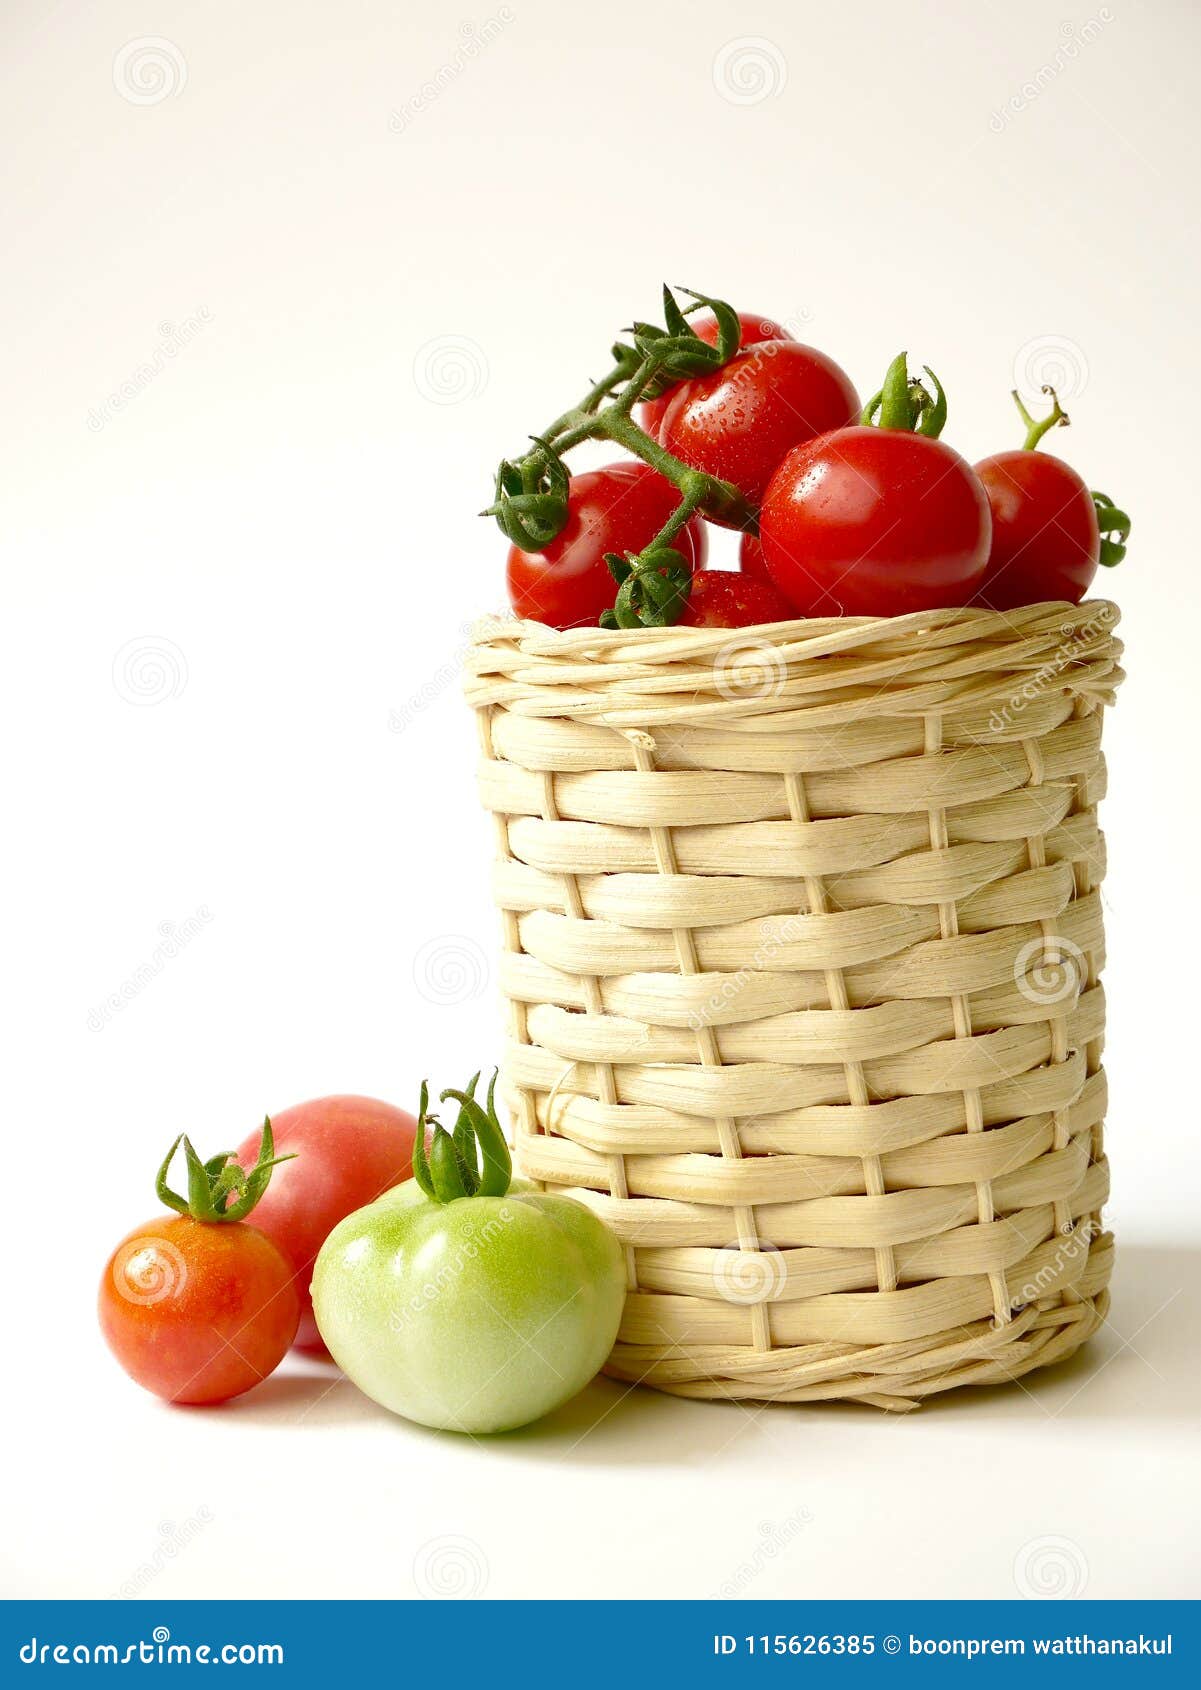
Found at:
[738, 423]
[619, 508]
[727, 599]
[197, 1311]
[875, 522]
[347, 1151]
[750, 557]
[1045, 540]
[754, 329]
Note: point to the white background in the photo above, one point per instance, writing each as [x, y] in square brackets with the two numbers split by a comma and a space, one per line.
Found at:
[228, 672]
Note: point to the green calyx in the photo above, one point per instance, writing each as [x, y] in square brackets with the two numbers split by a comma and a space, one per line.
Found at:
[1115, 530]
[906, 403]
[531, 492]
[472, 1158]
[220, 1189]
[1036, 427]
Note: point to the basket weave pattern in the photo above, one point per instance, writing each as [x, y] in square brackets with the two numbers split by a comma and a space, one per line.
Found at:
[802, 937]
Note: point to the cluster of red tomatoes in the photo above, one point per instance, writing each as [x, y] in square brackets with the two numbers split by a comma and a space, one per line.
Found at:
[861, 511]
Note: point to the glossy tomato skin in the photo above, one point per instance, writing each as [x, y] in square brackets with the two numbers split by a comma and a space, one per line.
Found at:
[477, 1315]
[729, 599]
[755, 328]
[875, 522]
[750, 558]
[738, 423]
[618, 508]
[195, 1311]
[346, 1151]
[1045, 540]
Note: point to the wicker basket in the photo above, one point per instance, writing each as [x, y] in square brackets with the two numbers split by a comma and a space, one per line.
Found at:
[801, 949]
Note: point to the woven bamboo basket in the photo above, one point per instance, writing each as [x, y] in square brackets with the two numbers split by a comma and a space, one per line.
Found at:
[802, 937]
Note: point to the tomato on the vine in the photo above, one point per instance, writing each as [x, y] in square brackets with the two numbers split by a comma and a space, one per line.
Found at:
[619, 508]
[750, 557]
[738, 423]
[755, 329]
[1046, 538]
[878, 520]
[198, 1306]
[728, 599]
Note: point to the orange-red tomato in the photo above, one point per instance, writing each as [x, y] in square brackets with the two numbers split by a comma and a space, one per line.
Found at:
[727, 599]
[755, 328]
[198, 1311]
[346, 1151]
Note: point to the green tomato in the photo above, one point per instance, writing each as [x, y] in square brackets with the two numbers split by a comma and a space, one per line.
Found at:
[475, 1315]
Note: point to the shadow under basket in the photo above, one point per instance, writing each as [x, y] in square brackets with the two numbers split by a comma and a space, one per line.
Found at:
[802, 938]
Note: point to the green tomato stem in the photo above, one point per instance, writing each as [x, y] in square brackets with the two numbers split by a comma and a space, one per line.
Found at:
[219, 1190]
[1036, 427]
